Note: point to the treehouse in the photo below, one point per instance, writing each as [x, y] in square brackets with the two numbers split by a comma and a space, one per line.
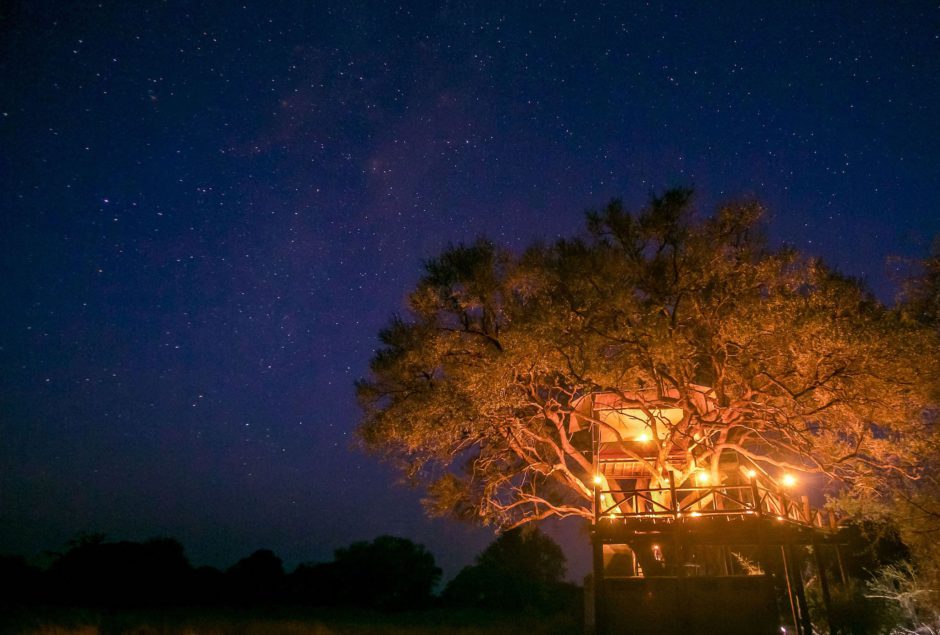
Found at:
[687, 530]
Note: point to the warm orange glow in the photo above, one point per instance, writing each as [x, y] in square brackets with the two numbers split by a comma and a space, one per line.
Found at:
[788, 480]
[657, 553]
[695, 514]
[752, 473]
[702, 478]
[643, 438]
[597, 479]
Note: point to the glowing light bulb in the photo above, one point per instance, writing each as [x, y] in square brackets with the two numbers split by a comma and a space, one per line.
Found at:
[752, 473]
[788, 480]
[597, 479]
[702, 478]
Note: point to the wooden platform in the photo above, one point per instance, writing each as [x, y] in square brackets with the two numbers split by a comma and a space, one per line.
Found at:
[714, 530]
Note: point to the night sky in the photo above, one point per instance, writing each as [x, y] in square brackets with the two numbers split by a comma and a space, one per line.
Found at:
[209, 210]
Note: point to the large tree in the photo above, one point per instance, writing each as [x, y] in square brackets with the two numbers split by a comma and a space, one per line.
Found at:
[475, 391]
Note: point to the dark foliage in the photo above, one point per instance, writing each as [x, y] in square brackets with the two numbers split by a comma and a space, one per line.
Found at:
[388, 573]
[120, 574]
[259, 578]
[868, 548]
[523, 568]
[21, 581]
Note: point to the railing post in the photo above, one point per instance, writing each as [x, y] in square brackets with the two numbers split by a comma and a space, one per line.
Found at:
[678, 546]
[597, 503]
[672, 493]
[758, 506]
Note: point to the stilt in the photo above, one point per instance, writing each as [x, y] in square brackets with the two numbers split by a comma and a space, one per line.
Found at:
[841, 567]
[823, 584]
[790, 594]
[806, 626]
[598, 557]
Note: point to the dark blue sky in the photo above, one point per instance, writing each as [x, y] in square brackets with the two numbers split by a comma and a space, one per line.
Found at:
[209, 210]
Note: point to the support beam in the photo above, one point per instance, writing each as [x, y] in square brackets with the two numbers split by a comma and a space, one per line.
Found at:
[823, 584]
[597, 546]
[788, 578]
[805, 625]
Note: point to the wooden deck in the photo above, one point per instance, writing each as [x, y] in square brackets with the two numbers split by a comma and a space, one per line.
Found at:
[748, 502]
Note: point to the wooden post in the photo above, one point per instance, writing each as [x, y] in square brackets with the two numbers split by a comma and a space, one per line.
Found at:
[672, 495]
[758, 506]
[834, 527]
[839, 564]
[676, 538]
[597, 546]
[787, 578]
[806, 626]
[763, 553]
[823, 582]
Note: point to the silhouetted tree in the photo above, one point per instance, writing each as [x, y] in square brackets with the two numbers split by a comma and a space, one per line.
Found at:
[209, 587]
[257, 578]
[20, 581]
[388, 574]
[921, 292]
[314, 584]
[98, 573]
[522, 568]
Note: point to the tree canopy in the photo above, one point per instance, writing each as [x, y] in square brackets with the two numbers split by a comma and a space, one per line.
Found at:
[474, 392]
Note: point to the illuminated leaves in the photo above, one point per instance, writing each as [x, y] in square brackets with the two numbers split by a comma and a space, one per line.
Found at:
[473, 393]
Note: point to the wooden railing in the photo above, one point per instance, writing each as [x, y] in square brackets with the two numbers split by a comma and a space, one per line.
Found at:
[672, 503]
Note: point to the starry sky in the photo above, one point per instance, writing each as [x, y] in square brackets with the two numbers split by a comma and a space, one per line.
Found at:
[208, 210]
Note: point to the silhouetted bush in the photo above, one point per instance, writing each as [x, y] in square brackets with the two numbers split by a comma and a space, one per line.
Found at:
[120, 574]
[523, 568]
[208, 587]
[20, 581]
[259, 578]
[387, 574]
